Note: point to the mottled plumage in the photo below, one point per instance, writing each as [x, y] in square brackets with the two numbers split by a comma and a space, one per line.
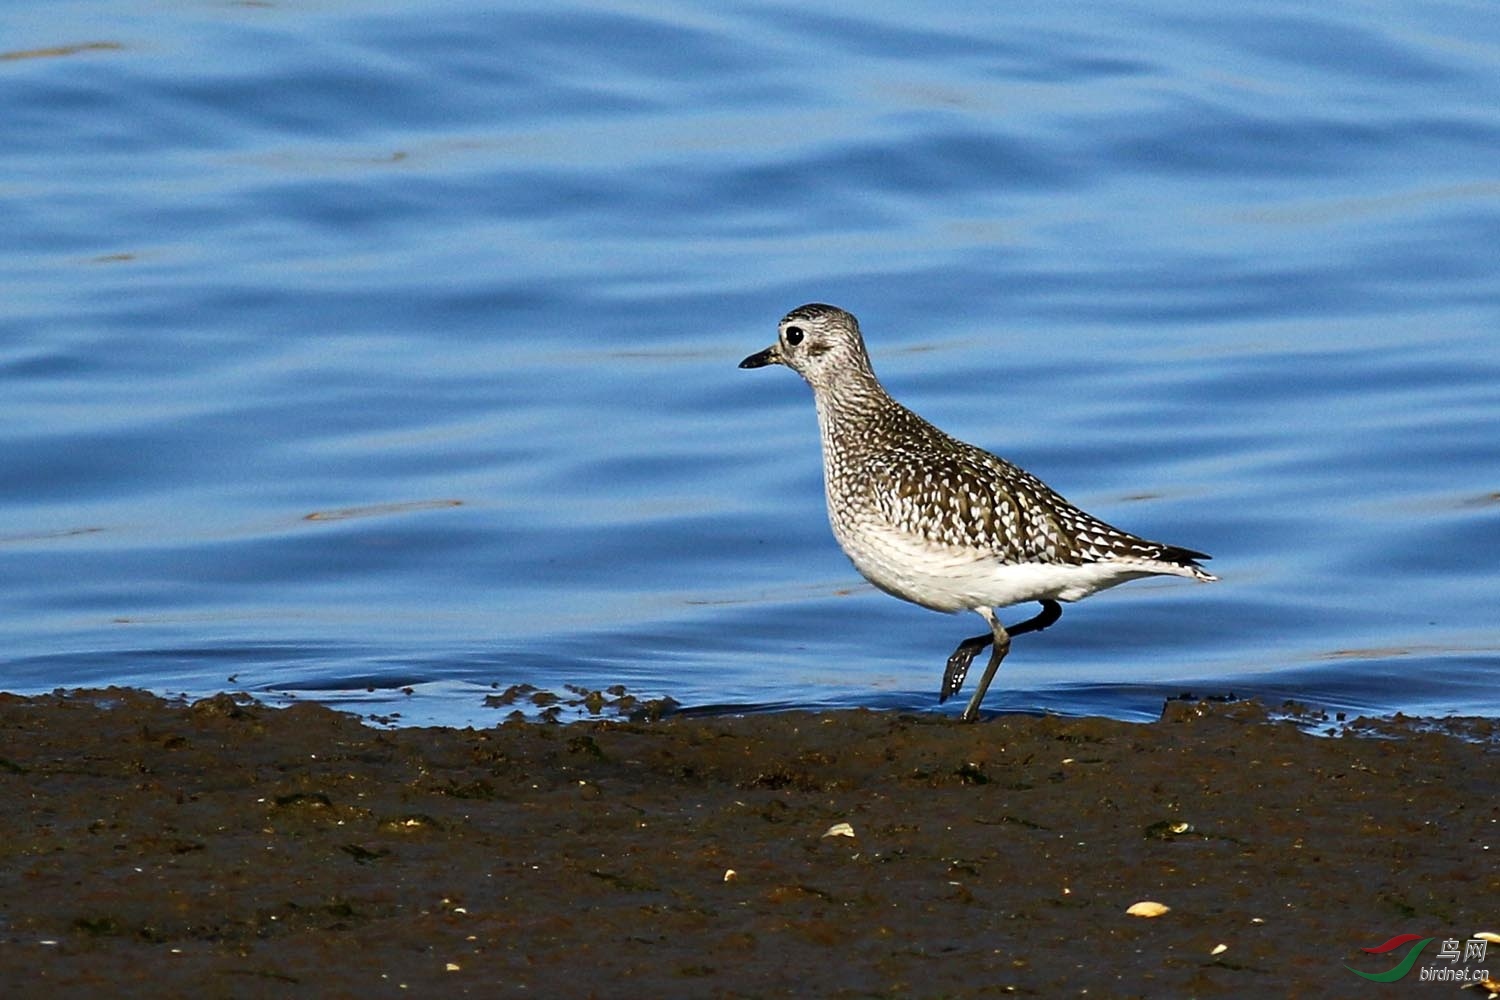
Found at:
[942, 523]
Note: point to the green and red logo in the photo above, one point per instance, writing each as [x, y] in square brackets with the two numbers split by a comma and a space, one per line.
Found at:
[1406, 963]
[1451, 963]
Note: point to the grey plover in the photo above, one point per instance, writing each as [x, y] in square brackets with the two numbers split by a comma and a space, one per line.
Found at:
[932, 520]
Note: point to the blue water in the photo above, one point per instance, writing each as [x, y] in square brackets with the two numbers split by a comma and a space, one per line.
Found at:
[351, 349]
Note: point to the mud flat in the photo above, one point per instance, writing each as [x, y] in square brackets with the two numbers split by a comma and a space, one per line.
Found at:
[225, 848]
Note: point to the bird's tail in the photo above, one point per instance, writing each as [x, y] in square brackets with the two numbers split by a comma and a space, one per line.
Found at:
[1188, 560]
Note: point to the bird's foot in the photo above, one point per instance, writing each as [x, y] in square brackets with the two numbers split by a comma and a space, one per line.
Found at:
[959, 663]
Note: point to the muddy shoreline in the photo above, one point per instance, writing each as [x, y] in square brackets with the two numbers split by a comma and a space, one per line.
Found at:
[226, 848]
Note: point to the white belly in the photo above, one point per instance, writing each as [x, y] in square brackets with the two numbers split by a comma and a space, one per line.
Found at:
[948, 578]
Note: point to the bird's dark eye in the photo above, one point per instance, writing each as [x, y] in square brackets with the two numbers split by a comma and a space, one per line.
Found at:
[794, 335]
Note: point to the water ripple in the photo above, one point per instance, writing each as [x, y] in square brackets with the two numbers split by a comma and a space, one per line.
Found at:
[394, 346]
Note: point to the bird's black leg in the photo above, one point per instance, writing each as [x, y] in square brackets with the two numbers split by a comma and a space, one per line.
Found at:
[958, 664]
[963, 656]
[1051, 612]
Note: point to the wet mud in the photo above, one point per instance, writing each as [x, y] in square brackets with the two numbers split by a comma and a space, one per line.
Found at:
[224, 848]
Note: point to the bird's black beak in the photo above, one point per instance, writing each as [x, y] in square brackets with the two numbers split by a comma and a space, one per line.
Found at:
[770, 356]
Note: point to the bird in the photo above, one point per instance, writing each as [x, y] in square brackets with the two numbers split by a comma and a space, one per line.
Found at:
[943, 524]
